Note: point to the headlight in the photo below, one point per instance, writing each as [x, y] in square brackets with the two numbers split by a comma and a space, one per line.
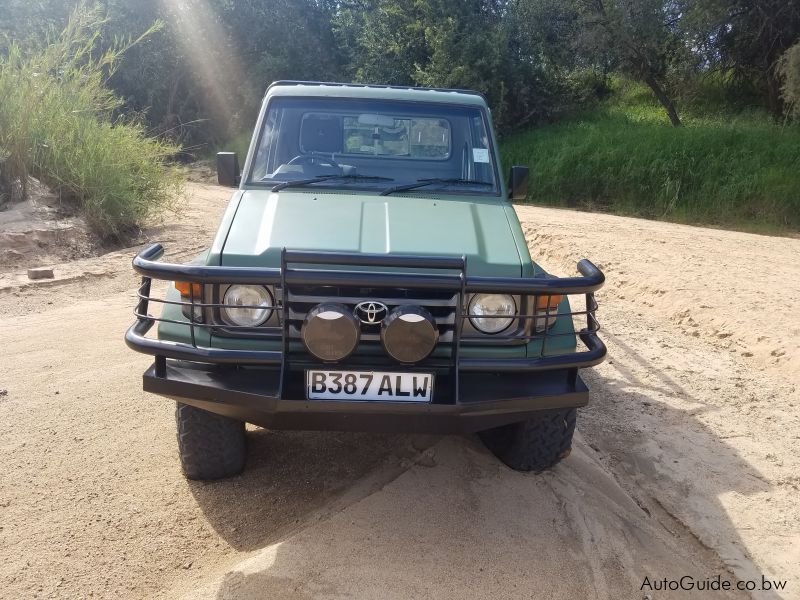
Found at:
[257, 299]
[492, 313]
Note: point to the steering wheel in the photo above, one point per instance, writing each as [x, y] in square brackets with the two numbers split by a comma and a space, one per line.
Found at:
[312, 159]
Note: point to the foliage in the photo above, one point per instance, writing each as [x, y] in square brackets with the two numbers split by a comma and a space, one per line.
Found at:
[731, 170]
[746, 39]
[384, 40]
[640, 37]
[201, 76]
[440, 43]
[57, 123]
[199, 79]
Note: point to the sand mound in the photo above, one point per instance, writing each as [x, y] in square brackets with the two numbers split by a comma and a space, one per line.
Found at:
[468, 527]
[41, 231]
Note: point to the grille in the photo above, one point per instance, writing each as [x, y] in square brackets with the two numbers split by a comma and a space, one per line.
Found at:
[441, 305]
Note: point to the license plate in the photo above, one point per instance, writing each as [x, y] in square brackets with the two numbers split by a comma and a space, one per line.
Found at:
[369, 385]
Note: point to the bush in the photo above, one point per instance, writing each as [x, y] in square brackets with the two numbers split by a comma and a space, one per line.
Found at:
[58, 124]
[738, 171]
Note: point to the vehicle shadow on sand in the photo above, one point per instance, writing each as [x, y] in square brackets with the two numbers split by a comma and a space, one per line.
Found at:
[291, 476]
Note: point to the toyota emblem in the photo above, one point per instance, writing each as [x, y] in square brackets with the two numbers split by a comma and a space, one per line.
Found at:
[371, 312]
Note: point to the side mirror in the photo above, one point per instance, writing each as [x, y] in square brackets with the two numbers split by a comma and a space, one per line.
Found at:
[227, 169]
[518, 186]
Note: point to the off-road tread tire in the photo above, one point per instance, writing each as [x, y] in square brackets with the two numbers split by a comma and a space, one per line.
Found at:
[210, 446]
[536, 444]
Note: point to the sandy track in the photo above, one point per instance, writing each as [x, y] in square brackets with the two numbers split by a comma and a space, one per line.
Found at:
[699, 405]
[689, 437]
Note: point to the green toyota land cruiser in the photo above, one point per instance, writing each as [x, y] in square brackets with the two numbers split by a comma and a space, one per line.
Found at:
[369, 273]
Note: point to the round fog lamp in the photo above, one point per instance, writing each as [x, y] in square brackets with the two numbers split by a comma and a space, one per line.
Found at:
[246, 305]
[409, 334]
[330, 332]
[492, 313]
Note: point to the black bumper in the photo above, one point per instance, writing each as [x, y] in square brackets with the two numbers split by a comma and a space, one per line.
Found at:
[485, 400]
[267, 388]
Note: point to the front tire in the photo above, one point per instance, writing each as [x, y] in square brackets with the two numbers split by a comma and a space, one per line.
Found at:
[536, 444]
[210, 446]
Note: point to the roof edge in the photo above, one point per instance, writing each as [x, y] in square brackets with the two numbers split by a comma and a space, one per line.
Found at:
[289, 82]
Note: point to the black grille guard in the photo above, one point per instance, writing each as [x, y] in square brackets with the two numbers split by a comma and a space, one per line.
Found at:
[146, 264]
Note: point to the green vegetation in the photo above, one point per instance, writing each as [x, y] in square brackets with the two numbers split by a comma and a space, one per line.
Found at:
[58, 124]
[738, 170]
[725, 74]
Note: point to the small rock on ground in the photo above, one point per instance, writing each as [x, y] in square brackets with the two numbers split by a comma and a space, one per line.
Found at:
[40, 273]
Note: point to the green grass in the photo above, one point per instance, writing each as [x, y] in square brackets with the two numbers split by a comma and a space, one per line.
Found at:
[730, 169]
[58, 124]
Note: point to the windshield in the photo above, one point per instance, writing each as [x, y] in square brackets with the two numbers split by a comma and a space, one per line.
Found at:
[374, 145]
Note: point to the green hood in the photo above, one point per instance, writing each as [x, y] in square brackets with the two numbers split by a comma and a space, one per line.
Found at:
[265, 222]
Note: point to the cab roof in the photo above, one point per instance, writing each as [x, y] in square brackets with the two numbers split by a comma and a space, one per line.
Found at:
[378, 92]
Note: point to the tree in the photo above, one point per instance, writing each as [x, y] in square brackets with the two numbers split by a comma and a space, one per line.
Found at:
[747, 38]
[638, 37]
[384, 39]
[202, 78]
[474, 44]
[467, 48]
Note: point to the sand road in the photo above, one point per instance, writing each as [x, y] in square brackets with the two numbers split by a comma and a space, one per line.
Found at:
[684, 463]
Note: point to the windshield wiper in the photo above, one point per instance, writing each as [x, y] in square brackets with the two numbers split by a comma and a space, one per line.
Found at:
[424, 182]
[321, 178]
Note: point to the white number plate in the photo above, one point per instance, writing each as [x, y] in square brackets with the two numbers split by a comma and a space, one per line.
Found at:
[369, 385]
